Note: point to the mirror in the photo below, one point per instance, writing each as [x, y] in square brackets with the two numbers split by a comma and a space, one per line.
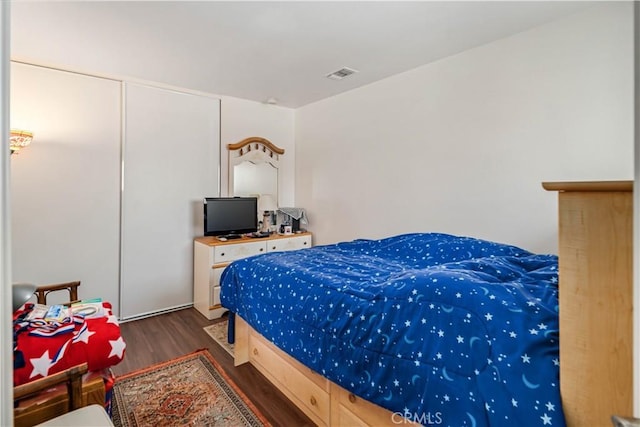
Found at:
[255, 178]
[253, 170]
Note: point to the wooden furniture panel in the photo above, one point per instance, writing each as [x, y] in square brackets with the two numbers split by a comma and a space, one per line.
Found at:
[309, 391]
[350, 410]
[343, 417]
[55, 401]
[43, 291]
[211, 256]
[595, 258]
[290, 244]
[228, 253]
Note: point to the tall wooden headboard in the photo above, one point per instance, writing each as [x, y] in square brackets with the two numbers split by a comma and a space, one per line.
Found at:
[596, 305]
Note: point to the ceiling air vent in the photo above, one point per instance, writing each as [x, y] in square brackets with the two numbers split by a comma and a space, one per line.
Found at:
[341, 73]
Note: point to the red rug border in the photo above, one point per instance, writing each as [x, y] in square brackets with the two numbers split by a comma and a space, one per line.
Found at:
[205, 352]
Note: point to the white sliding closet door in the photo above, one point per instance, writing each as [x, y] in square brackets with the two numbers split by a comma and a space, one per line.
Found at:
[65, 198]
[171, 161]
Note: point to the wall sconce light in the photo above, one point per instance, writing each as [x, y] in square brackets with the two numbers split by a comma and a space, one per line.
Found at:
[19, 139]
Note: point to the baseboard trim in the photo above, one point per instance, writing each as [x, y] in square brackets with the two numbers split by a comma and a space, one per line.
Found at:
[154, 313]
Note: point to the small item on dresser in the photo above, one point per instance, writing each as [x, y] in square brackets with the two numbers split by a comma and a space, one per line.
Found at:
[260, 234]
[231, 236]
[287, 229]
[293, 217]
[222, 239]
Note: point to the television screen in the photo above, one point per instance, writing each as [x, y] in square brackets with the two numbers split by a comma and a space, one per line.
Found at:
[230, 215]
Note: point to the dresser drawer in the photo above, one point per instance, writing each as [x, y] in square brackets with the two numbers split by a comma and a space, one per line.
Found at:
[214, 278]
[354, 411]
[214, 286]
[214, 300]
[289, 244]
[228, 253]
[307, 390]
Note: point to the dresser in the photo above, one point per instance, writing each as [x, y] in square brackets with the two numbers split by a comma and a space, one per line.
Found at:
[596, 309]
[211, 256]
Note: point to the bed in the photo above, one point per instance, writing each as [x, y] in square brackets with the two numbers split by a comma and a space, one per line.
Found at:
[438, 329]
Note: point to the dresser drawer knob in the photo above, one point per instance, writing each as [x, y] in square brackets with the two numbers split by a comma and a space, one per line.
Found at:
[304, 243]
[313, 401]
[273, 247]
[352, 398]
[261, 249]
[255, 351]
[222, 254]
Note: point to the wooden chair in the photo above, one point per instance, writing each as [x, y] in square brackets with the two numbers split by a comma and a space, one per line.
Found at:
[42, 291]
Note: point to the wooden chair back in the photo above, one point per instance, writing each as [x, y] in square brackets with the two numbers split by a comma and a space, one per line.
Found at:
[42, 291]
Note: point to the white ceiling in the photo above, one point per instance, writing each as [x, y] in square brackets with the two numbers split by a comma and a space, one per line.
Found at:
[260, 50]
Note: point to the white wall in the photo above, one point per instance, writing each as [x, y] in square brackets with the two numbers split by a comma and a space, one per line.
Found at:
[462, 145]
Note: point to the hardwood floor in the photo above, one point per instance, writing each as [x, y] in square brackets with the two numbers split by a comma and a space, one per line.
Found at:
[166, 336]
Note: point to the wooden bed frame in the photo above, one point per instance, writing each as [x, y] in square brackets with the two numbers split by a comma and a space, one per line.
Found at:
[326, 403]
[595, 254]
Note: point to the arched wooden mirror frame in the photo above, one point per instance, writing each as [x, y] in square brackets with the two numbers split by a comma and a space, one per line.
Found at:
[256, 150]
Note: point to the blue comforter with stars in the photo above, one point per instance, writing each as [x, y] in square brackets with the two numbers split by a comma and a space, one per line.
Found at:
[444, 330]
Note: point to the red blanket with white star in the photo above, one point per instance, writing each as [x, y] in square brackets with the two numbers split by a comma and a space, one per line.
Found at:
[41, 350]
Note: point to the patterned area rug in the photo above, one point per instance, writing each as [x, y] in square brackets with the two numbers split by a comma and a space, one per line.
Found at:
[218, 331]
[190, 390]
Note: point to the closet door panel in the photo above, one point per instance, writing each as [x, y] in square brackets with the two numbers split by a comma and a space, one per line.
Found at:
[171, 161]
[65, 198]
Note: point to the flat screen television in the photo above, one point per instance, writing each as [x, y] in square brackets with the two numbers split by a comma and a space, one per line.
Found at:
[230, 216]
